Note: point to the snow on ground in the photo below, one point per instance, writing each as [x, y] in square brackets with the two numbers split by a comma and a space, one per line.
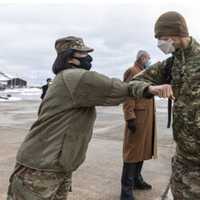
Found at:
[18, 94]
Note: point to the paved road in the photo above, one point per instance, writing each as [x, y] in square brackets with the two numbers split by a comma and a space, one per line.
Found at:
[99, 177]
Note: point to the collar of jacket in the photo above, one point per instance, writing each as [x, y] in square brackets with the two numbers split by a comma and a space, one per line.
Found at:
[139, 66]
[69, 66]
[183, 54]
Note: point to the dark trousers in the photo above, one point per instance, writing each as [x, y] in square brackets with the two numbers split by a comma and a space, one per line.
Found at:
[130, 174]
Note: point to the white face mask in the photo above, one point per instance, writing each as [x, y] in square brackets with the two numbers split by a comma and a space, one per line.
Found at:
[166, 46]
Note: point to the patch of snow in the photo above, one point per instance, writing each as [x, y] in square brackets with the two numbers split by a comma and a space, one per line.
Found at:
[17, 94]
[11, 99]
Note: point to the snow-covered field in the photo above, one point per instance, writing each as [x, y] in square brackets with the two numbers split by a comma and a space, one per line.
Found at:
[20, 94]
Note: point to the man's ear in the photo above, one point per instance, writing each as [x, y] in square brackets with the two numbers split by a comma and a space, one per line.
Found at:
[143, 59]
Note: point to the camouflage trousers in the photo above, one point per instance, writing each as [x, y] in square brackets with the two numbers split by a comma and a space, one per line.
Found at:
[185, 180]
[30, 184]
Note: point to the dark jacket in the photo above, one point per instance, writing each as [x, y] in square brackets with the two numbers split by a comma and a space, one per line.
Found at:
[44, 90]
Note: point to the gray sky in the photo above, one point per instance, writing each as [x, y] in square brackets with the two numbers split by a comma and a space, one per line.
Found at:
[115, 30]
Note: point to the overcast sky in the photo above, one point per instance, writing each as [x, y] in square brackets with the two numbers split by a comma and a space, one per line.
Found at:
[115, 30]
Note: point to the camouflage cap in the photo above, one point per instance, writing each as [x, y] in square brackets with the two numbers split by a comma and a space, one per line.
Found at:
[71, 42]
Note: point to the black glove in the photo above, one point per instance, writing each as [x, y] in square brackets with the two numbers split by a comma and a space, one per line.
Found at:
[131, 124]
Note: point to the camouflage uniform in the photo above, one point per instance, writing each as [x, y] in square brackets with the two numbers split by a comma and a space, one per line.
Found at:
[57, 142]
[30, 184]
[185, 180]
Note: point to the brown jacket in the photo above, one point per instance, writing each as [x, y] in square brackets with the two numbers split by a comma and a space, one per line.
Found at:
[140, 145]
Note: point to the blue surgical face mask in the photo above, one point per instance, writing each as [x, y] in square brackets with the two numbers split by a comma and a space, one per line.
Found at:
[147, 64]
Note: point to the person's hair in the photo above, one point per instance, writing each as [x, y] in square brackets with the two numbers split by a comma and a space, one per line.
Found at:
[140, 58]
[141, 54]
[61, 60]
[48, 79]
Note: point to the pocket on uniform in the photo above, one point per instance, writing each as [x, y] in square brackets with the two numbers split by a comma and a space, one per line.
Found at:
[73, 152]
[68, 153]
[19, 190]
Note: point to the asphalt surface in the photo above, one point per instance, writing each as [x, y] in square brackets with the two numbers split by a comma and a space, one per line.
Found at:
[99, 177]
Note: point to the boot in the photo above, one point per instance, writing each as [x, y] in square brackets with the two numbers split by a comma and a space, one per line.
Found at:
[127, 182]
[139, 182]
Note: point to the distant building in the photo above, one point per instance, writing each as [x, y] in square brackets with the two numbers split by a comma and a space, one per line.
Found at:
[16, 83]
[4, 80]
[7, 81]
[2, 86]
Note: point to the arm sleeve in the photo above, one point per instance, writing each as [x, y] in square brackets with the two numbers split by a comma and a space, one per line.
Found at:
[95, 89]
[128, 105]
[154, 75]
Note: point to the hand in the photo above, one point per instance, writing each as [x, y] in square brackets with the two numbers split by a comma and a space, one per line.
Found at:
[164, 91]
[131, 124]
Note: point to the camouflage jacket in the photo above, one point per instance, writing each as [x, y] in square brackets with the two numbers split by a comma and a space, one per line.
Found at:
[185, 82]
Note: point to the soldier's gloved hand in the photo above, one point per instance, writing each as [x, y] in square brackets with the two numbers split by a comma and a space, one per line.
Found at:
[131, 124]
